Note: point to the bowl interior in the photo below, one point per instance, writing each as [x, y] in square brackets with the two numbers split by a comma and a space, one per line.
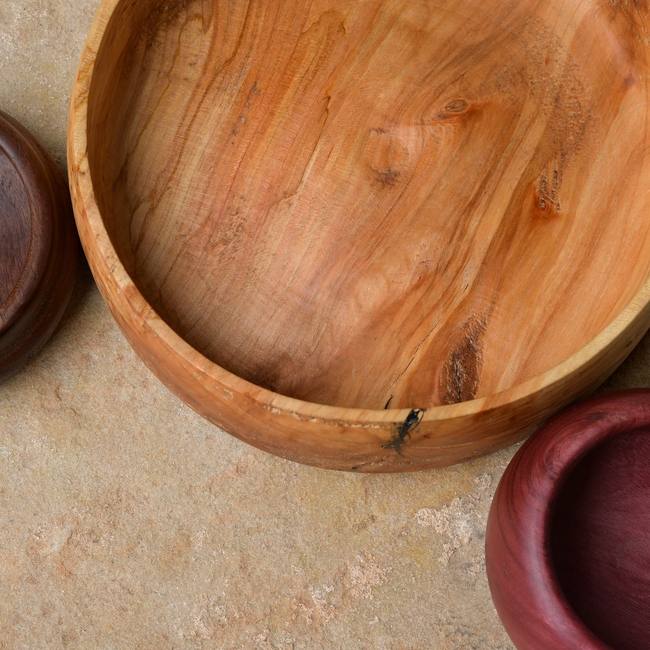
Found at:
[378, 203]
[601, 540]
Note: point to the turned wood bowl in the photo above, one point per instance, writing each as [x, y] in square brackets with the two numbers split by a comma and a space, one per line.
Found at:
[38, 246]
[568, 536]
[374, 235]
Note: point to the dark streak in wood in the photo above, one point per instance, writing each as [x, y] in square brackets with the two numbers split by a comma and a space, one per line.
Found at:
[404, 430]
[461, 374]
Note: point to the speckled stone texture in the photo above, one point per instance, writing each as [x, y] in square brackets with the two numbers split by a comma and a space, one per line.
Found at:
[126, 521]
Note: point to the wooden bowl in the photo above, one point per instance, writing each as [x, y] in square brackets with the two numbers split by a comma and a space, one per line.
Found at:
[381, 235]
[39, 248]
[568, 537]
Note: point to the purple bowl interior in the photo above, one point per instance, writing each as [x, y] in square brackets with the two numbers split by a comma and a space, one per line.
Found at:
[600, 540]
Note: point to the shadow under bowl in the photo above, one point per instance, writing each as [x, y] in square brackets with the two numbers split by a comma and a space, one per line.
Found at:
[568, 541]
[373, 236]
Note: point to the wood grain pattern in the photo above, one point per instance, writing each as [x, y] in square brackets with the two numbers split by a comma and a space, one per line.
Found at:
[38, 246]
[15, 234]
[25, 239]
[332, 209]
[568, 536]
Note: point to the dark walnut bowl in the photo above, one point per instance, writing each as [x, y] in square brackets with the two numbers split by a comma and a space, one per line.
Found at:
[381, 235]
[568, 538]
[39, 248]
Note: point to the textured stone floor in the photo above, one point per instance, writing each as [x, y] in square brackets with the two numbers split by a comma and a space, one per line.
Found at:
[126, 521]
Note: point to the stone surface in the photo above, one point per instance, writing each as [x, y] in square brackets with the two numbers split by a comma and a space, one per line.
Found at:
[126, 521]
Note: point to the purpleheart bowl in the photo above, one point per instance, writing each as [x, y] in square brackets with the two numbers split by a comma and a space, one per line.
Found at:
[568, 536]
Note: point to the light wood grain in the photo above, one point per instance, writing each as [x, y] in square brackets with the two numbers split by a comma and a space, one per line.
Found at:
[379, 235]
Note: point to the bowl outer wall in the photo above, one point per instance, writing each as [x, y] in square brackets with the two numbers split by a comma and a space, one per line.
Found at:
[522, 578]
[324, 436]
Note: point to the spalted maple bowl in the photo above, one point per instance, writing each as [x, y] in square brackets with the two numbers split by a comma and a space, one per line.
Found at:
[568, 536]
[381, 235]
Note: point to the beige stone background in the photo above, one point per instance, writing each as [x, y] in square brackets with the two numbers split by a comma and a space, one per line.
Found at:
[126, 521]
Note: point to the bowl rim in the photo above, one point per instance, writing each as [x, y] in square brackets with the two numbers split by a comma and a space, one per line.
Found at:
[532, 484]
[87, 212]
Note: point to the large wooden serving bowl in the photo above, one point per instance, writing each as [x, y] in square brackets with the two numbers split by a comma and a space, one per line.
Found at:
[374, 235]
